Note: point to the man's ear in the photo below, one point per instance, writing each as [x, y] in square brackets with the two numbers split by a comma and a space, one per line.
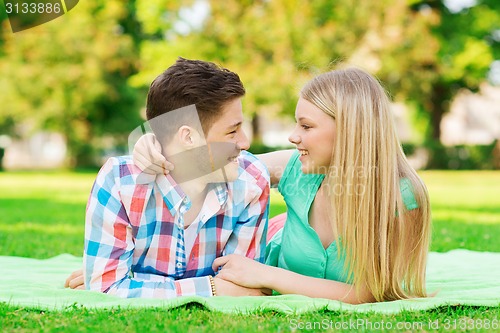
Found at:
[189, 137]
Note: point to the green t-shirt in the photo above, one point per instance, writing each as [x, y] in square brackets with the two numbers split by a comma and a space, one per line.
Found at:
[297, 247]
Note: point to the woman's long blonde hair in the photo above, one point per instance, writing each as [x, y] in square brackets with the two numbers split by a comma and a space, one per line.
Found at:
[385, 245]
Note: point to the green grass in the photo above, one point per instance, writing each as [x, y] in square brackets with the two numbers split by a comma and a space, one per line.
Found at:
[42, 214]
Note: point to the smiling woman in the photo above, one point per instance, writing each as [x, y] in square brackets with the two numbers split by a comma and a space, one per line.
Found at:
[360, 231]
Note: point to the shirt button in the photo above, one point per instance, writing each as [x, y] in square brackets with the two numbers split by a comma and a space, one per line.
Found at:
[323, 264]
[179, 265]
[185, 200]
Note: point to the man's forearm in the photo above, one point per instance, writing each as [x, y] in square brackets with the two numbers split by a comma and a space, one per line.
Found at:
[158, 287]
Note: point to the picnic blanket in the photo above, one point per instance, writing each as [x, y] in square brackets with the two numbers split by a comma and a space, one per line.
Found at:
[459, 276]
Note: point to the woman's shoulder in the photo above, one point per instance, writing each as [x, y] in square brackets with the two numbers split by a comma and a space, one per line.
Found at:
[408, 193]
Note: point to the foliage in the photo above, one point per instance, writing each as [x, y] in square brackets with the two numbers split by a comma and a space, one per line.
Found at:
[467, 47]
[260, 148]
[275, 46]
[70, 75]
[85, 74]
[461, 157]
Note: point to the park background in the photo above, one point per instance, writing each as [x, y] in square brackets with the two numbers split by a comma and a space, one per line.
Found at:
[73, 89]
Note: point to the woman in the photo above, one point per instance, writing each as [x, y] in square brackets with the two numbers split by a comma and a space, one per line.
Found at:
[358, 218]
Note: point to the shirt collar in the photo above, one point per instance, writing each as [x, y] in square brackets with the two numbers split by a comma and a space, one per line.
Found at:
[221, 191]
[174, 196]
[172, 193]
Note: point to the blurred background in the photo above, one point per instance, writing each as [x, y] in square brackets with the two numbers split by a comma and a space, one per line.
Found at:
[73, 89]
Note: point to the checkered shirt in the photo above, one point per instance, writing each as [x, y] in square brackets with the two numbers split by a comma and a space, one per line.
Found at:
[135, 244]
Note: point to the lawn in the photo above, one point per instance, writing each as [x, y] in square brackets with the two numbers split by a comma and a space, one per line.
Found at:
[41, 215]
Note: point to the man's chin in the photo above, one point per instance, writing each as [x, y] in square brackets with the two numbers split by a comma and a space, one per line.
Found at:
[229, 173]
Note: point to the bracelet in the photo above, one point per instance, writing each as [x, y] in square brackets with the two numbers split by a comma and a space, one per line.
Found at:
[212, 285]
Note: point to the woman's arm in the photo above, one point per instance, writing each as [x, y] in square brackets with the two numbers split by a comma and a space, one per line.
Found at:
[251, 274]
[276, 162]
[148, 157]
[288, 282]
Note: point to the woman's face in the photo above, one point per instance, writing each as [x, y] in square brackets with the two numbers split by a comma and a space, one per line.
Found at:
[314, 137]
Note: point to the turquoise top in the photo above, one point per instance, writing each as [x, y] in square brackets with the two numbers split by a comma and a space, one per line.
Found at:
[297, 247]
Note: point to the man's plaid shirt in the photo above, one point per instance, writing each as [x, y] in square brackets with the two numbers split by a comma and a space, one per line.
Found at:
[135, 241]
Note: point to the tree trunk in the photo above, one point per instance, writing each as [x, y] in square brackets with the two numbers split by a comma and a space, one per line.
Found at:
[496, 155]
[437, 106]
[256, 130]
[439, 102]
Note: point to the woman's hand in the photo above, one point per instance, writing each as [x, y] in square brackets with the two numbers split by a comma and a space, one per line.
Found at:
[148, 157]
[75, 280]
[242, 271]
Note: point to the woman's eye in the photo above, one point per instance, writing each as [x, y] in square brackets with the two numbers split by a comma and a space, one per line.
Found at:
[306, 127]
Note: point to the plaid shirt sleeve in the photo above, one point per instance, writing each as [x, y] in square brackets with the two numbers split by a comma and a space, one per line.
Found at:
[249, 233]
[109, 247]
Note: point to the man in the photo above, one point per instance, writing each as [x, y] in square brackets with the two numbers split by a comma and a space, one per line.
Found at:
[158, 237]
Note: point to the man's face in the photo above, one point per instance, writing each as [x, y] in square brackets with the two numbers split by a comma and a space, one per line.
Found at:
[226, 139]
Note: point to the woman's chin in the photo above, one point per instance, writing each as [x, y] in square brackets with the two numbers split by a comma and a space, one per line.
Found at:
[306, 167]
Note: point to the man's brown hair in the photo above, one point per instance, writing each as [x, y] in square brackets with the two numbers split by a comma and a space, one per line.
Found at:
[206, 85]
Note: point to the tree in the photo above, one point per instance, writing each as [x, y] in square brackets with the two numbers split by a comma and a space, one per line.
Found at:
[275, 46]
[70, 75]
[467, 47]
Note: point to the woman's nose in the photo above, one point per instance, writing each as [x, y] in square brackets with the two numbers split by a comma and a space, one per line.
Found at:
[294, 138]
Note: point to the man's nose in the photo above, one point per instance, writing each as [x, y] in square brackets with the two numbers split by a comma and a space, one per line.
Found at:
[243, 143]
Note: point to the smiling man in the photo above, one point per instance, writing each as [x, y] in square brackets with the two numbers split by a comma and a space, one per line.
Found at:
[157, 236]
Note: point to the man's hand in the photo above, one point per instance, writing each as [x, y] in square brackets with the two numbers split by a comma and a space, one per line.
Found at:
[75, 280]
[226, 288]
[148, 157]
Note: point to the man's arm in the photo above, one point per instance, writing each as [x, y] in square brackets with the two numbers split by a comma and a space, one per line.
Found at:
[109, 248]
[148, 157]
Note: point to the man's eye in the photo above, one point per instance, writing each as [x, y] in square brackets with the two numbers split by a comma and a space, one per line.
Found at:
[232, 132]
